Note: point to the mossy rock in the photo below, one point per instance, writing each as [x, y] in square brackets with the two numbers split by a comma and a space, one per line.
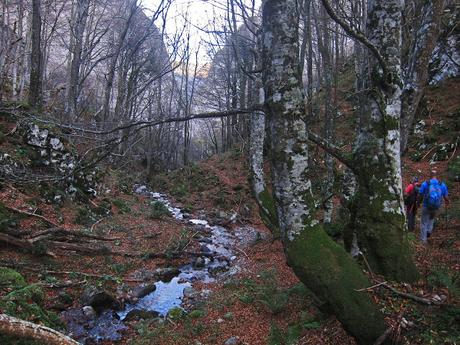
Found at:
[453, 169]
[176, 313]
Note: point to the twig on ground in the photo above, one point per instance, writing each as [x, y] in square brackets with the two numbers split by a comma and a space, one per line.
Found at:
[241, 251]
[411, 296]
[371, 287]
[94, 225]
[33, 215]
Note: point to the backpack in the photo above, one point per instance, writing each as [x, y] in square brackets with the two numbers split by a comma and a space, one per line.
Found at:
[411, 198]
[433, 196]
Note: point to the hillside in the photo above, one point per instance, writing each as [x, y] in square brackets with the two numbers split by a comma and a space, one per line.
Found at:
[200, 245]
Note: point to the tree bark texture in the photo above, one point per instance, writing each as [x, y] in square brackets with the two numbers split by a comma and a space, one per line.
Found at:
[421, 32]
[24, 329]
[77, 30]
[380, 218]
[321, 264]
[35, 84]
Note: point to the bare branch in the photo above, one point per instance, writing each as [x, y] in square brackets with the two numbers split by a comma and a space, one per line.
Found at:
[333, 150]
[359, 36]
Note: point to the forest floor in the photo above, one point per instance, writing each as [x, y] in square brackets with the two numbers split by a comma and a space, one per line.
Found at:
[263, 302]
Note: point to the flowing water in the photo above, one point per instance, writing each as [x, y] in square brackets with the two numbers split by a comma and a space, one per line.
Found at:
[216, 241]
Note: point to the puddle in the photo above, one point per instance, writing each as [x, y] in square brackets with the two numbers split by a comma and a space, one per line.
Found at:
[215, 241]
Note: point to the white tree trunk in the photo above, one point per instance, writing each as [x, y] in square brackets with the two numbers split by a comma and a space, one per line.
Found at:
[15, 327]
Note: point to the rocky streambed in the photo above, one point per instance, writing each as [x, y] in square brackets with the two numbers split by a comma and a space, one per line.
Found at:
[102, 317]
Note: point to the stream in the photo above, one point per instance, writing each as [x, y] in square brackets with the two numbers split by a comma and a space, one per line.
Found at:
[215, 240]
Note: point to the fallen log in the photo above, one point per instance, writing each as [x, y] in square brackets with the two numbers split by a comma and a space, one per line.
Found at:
[32, 215]
[24, 329]
[23, 244]
[75, 233]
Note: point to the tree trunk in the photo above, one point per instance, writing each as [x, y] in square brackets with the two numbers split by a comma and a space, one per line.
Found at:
[262, 195]
[380, 219]
[24, 329]
[321, 264]
[35, 84]
[422, 28]
[77, 30]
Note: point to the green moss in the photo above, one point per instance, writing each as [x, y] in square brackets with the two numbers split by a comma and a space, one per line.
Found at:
[11, 278]
[267, 211]
[25, 301]
[122, 206]
[196, 314]
[158, 210]
[332, 275]
[381, 235]
[176, 313]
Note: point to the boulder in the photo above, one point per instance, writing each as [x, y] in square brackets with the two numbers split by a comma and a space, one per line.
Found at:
[98, 299]
[137, 314]
[166, 274]
[199, 262]
[143, 290]
[232, 341]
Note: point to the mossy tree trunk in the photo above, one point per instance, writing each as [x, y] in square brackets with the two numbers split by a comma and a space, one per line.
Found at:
[380, 219]
[256, 159]
[260, 191]
[321, 264]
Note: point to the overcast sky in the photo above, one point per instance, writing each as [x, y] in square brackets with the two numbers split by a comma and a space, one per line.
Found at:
[200, 14]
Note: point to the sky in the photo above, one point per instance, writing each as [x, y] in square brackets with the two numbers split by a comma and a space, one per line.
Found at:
[200, 15]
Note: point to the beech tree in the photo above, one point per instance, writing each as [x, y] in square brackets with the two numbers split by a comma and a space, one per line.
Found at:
[320, 263]
[376, 160]
[36, 58]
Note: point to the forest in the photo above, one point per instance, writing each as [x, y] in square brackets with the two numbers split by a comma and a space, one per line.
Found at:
[236, 172]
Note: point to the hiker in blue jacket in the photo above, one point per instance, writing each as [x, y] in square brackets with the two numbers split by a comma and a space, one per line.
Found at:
[432, 192]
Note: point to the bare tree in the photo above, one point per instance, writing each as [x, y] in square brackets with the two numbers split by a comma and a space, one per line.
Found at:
[36, 58]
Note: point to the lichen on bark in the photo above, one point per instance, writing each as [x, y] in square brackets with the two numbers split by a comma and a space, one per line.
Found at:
[322, 265]
[379, 217]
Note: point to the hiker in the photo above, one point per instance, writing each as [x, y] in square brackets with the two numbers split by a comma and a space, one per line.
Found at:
[410, 200]
[432, 192]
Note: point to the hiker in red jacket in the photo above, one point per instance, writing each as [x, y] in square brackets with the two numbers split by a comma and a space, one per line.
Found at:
[410, 200]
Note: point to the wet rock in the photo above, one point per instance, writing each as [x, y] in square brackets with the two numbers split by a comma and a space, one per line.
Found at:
[167, 274]
[249, 236]
[204, 249]
[199, 262]
[137, 314]
[190, 292]
[98, 299]
[142, 290]
[89, 311]
[92, 330]
[232, 341]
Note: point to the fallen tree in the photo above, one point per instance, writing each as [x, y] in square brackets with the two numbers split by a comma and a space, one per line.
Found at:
[15, 327]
